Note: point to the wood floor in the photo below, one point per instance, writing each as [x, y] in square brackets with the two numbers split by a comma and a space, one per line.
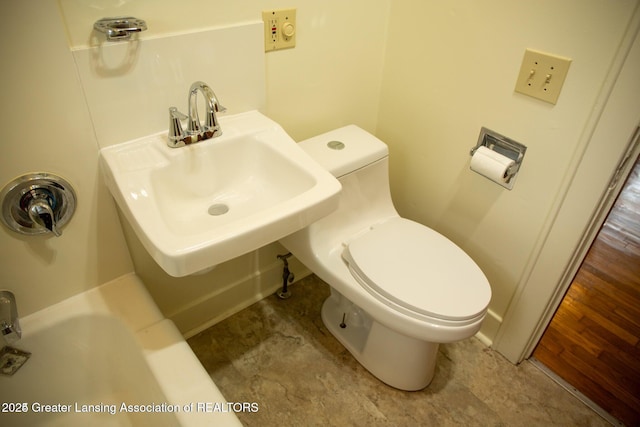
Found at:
[593, 341]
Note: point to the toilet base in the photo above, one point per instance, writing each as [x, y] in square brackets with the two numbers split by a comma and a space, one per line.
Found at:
[402, 362]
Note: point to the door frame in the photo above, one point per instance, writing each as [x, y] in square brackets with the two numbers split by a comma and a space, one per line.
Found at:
[583, 206]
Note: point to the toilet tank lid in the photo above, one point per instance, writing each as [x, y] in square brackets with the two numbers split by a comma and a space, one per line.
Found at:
[345, 150]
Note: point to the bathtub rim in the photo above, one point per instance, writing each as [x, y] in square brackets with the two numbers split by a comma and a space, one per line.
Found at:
[127, 300]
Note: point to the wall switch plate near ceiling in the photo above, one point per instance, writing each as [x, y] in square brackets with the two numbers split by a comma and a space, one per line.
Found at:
[279, 29]
[542, 75]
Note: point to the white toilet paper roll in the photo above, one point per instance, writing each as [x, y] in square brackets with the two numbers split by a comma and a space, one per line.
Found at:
[491, 164]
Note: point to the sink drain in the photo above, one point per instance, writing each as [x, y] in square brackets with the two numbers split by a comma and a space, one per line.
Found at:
[218, 209]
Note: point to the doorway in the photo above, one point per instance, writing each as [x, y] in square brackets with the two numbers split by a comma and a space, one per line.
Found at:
[593, 340]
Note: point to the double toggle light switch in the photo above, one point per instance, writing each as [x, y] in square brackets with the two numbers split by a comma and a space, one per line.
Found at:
[542, 75]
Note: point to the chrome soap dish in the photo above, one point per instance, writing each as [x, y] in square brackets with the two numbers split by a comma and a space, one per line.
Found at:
[120, 28]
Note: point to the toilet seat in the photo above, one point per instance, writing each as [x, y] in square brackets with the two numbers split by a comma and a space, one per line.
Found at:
[418, 271]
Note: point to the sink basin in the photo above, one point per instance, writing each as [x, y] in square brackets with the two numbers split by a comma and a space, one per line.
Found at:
[196, 206]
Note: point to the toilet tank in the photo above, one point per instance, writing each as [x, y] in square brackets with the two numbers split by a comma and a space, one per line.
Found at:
[344, 150]
[360, 161]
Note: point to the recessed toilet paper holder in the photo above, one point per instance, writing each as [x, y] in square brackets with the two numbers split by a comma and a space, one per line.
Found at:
[504, 146]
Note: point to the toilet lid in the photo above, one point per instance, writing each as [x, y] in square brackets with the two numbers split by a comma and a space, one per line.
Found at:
[419, 270]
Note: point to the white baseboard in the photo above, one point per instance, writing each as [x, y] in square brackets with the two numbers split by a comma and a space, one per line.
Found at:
[489, 328]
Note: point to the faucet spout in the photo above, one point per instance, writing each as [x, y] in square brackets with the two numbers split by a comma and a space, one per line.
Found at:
[211, 126]
[9, 324]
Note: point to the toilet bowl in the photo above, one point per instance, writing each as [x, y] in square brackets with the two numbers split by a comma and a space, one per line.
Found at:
[398, 288]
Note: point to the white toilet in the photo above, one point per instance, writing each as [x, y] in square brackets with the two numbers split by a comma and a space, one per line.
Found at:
[398, 288]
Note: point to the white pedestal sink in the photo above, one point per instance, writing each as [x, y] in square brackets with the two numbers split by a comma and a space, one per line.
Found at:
[196, 206]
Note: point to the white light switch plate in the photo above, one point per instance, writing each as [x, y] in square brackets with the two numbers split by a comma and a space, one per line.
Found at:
[542, 75]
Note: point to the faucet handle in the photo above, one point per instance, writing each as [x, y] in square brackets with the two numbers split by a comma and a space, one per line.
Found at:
[176, 133]
[41, 213]
[39, 205]
[211, 122]
[175, 114]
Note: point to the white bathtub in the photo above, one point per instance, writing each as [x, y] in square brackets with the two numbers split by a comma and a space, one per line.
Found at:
[107, 357]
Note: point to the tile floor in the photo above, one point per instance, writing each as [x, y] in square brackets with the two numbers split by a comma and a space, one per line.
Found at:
[278, 354]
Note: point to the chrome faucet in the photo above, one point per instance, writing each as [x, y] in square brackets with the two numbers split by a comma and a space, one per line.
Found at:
[9, 324]
[196, 131]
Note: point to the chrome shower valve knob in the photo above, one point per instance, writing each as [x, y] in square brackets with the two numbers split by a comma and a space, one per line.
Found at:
[37, 203]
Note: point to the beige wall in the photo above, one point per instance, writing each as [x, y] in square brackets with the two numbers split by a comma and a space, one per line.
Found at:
[450, 68]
